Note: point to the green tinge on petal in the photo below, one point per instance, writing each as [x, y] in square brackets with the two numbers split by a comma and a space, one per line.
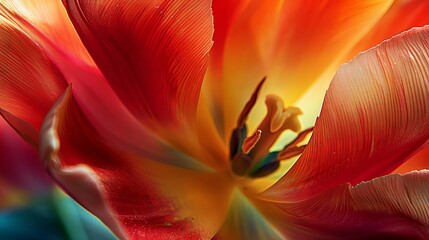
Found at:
[245, 222]
[51, 217]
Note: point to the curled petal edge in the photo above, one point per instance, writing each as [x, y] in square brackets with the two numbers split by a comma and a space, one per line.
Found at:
[79, 178]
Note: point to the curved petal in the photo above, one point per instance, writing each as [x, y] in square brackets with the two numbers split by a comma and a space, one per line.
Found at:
[391, 207]
[92, 91]
[137, 198]
[210, 112]
[29, 82]
[225, 13]
[304, 39]
[401, 16]
[153, 53]
[47, 20]
[375, 115]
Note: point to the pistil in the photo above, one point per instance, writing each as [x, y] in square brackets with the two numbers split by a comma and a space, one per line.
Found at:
[277, 120]
[250, 155]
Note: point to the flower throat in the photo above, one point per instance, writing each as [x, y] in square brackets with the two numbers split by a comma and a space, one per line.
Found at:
[250, 155]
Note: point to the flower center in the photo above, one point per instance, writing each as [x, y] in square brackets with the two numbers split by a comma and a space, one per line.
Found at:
[250, 155]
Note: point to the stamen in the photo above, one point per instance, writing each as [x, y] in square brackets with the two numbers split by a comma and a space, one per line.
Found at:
[291, 149]
[301, 136]
[250, 156]
[266, 166]
[240, 132]
[278, 119]
[251, 141]
[249, 105]
[290, 152]
[275, 107]
[275, 122]
[236, 141]
[278, 115]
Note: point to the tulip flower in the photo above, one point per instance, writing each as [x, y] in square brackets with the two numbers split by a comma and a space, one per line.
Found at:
[151, 114]
[30, 207]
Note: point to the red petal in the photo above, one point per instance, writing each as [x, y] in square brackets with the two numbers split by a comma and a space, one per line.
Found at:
[225, 13]
[29, 82]
[46, 21]
[390, 207]
[375, 115]
[136, 197]
[54, 35]
[153, 53]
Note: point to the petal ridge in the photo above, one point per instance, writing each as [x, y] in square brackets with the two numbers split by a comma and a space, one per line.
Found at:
[375, 115]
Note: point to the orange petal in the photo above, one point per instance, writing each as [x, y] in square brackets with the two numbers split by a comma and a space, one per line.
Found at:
[292, 43]
[225, 13]
[374, 117]
[402, 15]
[153, 53]
[390, 207]
[29, 82]
[136, 197]
[417, 162]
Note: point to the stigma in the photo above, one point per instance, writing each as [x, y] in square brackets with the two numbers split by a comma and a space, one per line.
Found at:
[250, 154]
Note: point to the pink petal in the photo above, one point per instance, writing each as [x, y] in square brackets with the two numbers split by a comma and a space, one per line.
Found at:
[20, 166]
[136, 197]
[374, 117]
[390, 207]
[29, 82]
[153, 53]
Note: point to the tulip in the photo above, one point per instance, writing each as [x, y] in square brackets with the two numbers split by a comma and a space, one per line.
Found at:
[28, 199]
[149, 113]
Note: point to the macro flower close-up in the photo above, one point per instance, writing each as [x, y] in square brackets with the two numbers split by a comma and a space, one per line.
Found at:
[199, 119]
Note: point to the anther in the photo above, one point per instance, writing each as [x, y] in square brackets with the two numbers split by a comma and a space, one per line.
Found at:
[240, 132]
[290, 152]
[277, 120]
[291, 149]
[301, 136]
[249, 105]
[251, 141]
